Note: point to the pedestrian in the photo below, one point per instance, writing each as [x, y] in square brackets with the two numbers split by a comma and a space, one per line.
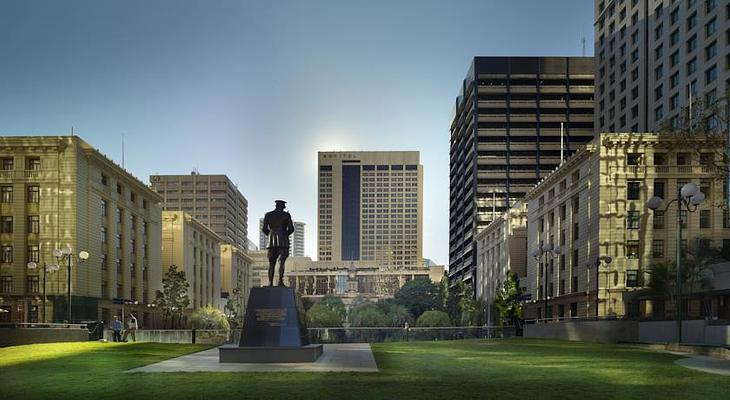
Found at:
[116, 329]
[131, 328]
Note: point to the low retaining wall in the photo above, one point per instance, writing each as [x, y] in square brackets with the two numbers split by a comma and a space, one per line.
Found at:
[175, 336]
[20, 336]
[587, 331]
[698, 332]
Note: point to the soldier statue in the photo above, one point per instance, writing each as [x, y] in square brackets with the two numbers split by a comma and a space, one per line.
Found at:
[278, 226]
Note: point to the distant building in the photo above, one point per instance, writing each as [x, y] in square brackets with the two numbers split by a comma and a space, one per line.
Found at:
[506, 136]
[344, 279]
[501, 249]
[594, 207]
[297, 239]
[251, 245]
[370, 207]
[235, 275]
[59, 191]
[653, 56]
[196, 249]
[212, 200]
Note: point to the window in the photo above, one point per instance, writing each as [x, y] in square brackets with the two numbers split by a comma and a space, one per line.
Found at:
[33, 164]
[34, 195]
[674, 80]
[132, 196]
[660, 159]
[659, 187]
[710, 5]
[674, 59]
[711, 74]
[711, 50]
[576, 204]
[659, 92]
[674, 16]
[634, 158]
[33, 253]
[692, 66]
[658, 222]
[104, 208]
[104, 180]
[6, 224]
[575, 284]
[682, 159]
[632, 278]
[34, 224]
[705, 219]
[691, 43]
[674, 102]
[6, 284]
[632, 249]
[119, 216]
[103, 236]
[634, 93]
[7, 164]
[7, 194]
[692, 21]
[33, 284]
[657, 249]
[119, 188]
[632, 219]
[576, 230]
[674, 38]
[576, 258]
[6, 254]
[635, 37]
[711, 27]
[632, 190]
[658, 31]
[659, 72]
[658, 52]
[659, 113]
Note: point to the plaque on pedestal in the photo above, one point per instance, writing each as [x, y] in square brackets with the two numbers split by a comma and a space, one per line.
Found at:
[273, 330]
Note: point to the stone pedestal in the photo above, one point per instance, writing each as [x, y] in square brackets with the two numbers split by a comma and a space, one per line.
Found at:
[273, 331]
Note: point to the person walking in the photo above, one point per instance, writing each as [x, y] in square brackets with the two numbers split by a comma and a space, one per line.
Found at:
[116, 329]
[131, 328]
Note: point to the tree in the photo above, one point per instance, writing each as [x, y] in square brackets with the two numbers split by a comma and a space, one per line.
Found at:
[367, 315]
[509, 300]
[233, 308]
[419, 295]
[321, 316]
[433, 319]
[210, 318]
[396, 314]
[173, 299]
[335, 304]
[461, 306]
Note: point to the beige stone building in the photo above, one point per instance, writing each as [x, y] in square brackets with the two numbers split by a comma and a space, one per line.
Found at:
[594, 207]
[196, 249]
[370, 207]
[58, 192]
[344, 279]
[501, 248]
[235, 274]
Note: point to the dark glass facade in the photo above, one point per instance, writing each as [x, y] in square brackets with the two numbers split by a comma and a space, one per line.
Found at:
[350, 212]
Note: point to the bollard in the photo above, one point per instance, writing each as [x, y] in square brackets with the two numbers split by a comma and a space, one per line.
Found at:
[193, 336]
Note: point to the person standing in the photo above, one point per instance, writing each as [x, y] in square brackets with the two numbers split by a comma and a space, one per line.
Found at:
[116, 329]
[131, 328]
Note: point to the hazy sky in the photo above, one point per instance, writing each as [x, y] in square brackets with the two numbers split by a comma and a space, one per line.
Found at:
[253, 89]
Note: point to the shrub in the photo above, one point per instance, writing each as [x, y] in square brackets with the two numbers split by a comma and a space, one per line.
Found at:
[210, 318]
[321, 316]
[433, 318]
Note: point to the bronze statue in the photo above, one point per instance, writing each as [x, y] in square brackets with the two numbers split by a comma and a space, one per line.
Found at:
[278, 226]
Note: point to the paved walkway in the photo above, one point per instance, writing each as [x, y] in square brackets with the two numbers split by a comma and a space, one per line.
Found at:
[705, 364]
[349, 357]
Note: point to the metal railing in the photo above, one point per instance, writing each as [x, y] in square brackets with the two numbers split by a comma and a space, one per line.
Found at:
[19, 325]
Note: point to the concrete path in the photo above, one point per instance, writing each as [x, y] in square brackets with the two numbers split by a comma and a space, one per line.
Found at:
[705, 364]
[346, 357]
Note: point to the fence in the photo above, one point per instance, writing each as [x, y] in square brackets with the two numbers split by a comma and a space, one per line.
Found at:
[15, 334]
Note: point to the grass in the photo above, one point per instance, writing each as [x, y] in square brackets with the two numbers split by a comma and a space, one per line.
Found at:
[509, 369]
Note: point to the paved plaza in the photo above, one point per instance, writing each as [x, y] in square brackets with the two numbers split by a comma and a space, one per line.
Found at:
[349, 357]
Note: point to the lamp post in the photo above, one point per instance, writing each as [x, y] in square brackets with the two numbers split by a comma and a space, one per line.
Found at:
[46, 268]
[688, 198]
[67, 253]
[547, 249]
[607, 260]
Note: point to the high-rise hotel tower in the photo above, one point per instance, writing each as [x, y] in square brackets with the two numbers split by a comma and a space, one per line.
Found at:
[506, 135]
[370, 207]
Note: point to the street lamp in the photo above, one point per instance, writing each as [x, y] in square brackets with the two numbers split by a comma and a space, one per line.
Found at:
[46, 268]
[547, 249]
[607, 260]
[688, 199]
[67, 253]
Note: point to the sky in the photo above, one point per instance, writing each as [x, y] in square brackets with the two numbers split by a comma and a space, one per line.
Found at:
[254, 89]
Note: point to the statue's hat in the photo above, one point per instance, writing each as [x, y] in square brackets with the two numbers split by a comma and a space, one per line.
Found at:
[282, 202]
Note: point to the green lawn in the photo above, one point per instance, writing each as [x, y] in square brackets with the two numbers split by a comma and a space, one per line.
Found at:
[519, 369]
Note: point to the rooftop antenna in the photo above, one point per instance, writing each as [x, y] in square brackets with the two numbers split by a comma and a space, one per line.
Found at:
[122, 149]
[583, 42]
[72, 131]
